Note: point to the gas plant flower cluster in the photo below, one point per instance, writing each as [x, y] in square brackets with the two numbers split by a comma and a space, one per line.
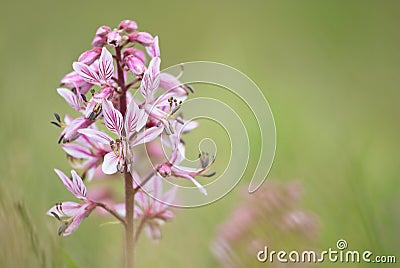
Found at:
[124, 101]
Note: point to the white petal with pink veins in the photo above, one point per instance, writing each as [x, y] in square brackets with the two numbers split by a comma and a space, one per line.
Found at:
[110, 163]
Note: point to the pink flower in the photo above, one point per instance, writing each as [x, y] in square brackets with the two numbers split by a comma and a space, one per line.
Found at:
[105, 73]
[113, 38]
[71, 214]
[154, 210]
[91, 154]
[74, 80]
[70, 131]
[128, 132]
[173, 168]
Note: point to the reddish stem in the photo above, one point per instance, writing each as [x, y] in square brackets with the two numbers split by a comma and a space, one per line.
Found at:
[129, 193]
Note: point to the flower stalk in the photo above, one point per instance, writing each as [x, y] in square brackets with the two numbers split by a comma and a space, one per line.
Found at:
[101, 88]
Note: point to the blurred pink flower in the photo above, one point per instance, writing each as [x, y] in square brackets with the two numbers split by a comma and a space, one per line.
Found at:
[273, 217]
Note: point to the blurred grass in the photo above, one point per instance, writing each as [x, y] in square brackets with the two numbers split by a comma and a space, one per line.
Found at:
[330, 70]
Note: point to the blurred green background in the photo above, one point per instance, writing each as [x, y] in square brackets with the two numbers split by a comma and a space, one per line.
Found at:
[329, 69]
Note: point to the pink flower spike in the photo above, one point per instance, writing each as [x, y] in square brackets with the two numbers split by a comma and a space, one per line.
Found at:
[114, 38]
[128, 26]
[141, 37]
[135, 65]
[154, 50]
[75, 186]
[106, 67]
[112, 118]
[89, 56]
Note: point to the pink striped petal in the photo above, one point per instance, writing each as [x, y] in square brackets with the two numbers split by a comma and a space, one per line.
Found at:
[69, 97]
[196, 183]
[83, 213]
[74, 186]
[151, 79]
[131, 117]
[106, 67]
[147, 135]
[112, 118]
[76, 150]
[64, 209]
[96, 135]
[86, 73]
[154, 50]
[65, 180]
[142, 119]
[80, 188]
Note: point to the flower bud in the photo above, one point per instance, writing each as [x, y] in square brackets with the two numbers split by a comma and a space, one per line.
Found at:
[103, 31]
[89, 56]
[114, 38]
[128, 26]
[99, 41]
[164, 170]
[135, 52]
[135, 65]
[141, 37]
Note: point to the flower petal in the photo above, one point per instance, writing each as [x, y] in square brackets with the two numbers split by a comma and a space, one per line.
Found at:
[69, 97]
[151, 79]
[110, 163]
[142, 119]
[67, 181]
[80, 188]
[64, 209]
[112, 117]
[84, 212]
[106, 67]
[198, 185]
[147, 135]
[86, 73]
[96, 135]
[76, 150]
[131, 117]
[154, 49]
